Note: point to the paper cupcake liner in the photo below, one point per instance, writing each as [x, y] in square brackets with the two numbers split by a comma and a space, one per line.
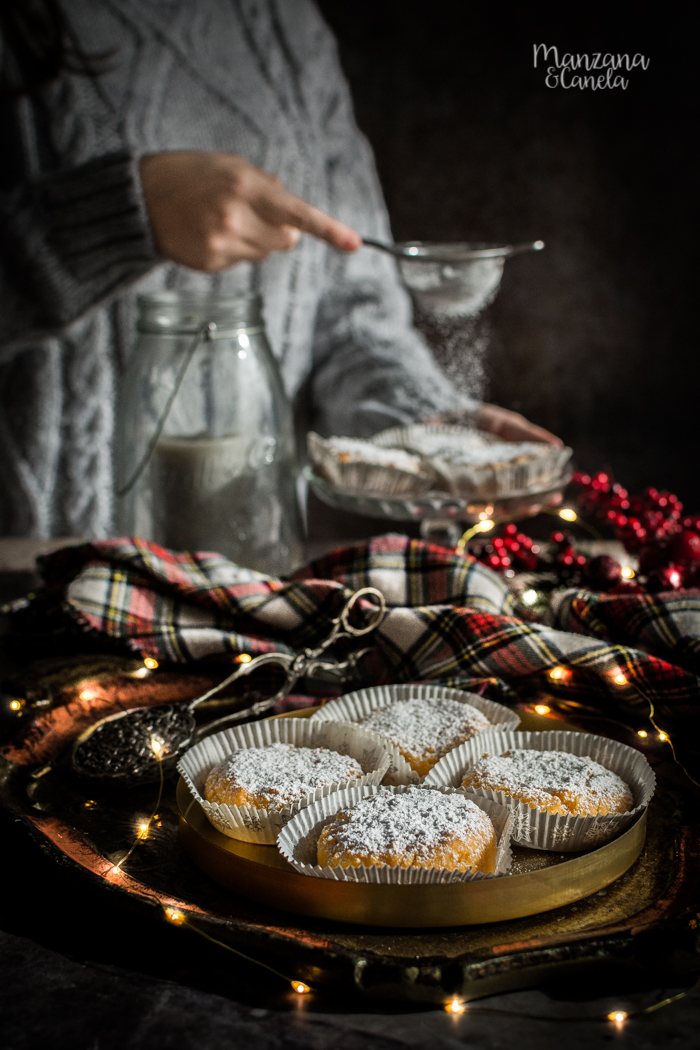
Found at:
[366, 477]
[488, 480]
[549, 831]
[263, 825]
[298, 841]
[354, 706]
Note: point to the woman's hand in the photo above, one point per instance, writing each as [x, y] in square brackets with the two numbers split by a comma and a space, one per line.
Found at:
[511, 426]
[209, 211]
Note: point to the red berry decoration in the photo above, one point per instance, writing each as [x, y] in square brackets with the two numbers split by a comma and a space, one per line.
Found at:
[669, 578]
[650, 558]
[603, 572]
[685, 547]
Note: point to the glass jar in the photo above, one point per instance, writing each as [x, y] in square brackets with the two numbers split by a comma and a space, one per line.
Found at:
[205, 440]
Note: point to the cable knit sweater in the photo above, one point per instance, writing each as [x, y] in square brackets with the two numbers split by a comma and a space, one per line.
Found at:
[259, 78]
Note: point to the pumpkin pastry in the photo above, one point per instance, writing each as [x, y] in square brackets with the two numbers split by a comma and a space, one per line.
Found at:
[553, 782]
[278, 776]
[420, 827]
[426, 728]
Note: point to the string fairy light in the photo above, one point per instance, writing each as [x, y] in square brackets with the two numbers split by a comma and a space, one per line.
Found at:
[570, 515]
[485, 525]
[560, 674]
[145, 826]
[179, 918]
[617, 1017]
[150, 663]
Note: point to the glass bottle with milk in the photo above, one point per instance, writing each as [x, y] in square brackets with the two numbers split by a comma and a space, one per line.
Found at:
[205, 451]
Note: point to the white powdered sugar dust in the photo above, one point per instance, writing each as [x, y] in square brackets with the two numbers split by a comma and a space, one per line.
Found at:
[426, 724]
[411, 825]
[575, 782]
[354, 450]
[281, 774]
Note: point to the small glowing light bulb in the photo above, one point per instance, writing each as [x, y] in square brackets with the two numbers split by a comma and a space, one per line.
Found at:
[568, 514]
[455, 1007]
[174, 916]
[150, 663]
[627, 572]
[243, 658]
[140, 672]
[143, 831]
[16, 705]
[156, 746]
[618, 1017]
[529, 597]
[663, 736]
[642, 732]
[620, 679]
[116, 870]
[542, 709]
[487, 524]
[87, 694]
[300, 988]
[557, 673]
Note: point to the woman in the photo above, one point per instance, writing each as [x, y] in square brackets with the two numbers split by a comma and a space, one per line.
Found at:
[165, 144]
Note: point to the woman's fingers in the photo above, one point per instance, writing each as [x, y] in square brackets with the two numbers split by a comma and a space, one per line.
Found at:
[277, 206]
[511, 426]
[210, 211]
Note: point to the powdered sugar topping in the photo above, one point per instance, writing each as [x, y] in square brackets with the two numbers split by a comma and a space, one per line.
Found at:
[281, 774]
[426, 724]
[354, 450]
[411, 824]
[470, 447]
[582, 786]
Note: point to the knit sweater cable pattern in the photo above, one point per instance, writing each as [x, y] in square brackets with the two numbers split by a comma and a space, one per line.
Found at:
[259, 78]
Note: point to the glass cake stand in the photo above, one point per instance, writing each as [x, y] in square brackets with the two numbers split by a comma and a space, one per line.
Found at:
[443, 517]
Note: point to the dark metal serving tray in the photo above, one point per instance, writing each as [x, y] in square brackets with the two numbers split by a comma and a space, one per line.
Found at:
[649, 909]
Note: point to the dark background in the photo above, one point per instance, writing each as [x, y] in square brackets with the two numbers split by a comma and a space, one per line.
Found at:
[596, 337]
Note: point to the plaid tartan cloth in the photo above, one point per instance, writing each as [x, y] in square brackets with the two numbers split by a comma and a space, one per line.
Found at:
[448, 620]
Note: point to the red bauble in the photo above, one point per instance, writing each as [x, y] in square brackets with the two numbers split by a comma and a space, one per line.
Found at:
[685, 547]
[603, 572]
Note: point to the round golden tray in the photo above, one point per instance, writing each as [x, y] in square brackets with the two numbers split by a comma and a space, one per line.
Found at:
[261, 874]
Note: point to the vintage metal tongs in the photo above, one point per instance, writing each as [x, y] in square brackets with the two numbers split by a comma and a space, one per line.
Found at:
[128, 747]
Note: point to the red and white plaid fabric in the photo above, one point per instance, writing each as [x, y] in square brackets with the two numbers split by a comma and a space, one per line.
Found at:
[448, 620]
